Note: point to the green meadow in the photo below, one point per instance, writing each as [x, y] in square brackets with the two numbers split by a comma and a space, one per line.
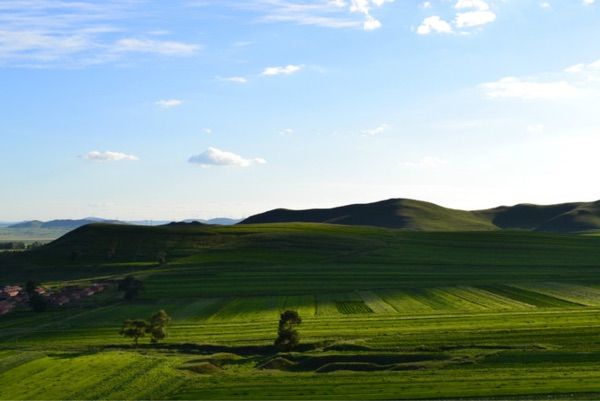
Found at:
[387, 314]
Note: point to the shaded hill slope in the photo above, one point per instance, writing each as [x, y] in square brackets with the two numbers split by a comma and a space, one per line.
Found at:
[301, 258]
[392, 213]
[564, 217]
[424, 216]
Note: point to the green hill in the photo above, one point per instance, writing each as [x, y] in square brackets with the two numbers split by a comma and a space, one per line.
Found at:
[301, 256]
[391, 213]
[564, 217]
[424, 216]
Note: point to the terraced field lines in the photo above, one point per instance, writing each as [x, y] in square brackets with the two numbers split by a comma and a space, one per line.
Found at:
[580, 294]
[250, 308]
[490, 300]
[375, 303]
[455, 301]
[352, 307]
[404, 303]
[530, 297]
[305, 305]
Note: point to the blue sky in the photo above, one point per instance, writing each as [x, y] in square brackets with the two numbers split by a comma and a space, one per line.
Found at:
[141, 109]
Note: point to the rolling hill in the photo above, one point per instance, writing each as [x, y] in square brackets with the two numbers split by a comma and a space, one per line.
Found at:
[424, 216]
[391, 213]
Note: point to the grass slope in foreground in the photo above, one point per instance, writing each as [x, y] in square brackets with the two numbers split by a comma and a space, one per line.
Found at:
[386, 314]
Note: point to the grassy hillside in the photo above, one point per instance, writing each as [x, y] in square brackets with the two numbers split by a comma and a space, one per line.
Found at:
[423, 216]
[566, 217]
[298, 256]
[392, 213]
[387, 314]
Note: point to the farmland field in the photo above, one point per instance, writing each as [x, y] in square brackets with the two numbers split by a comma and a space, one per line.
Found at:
[386, 315]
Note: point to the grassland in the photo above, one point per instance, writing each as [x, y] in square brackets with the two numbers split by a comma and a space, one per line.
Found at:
[386, 315]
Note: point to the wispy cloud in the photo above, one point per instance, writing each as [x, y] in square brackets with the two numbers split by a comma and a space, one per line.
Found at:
[217, 157]
[576, 81]
[380, 129]
[529, 89]
[108, 156]
[283, 70]
[236, 79]
[59, 33]
[168, 103]
[163, 47]
[326, 13]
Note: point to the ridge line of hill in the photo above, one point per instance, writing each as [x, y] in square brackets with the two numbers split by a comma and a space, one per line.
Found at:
[425, 216]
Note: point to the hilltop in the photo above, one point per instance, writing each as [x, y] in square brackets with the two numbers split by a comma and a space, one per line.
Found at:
[391, 213]
[424, 216]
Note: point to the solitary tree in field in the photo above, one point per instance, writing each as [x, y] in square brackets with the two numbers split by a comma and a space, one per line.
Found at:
[158, 326]
[135, 329]
[162, 258]
[287, 335]
[131, 288]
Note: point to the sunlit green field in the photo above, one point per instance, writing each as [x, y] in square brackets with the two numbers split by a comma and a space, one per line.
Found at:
[386, 315]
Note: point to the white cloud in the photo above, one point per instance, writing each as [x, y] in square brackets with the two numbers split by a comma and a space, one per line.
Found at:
[237, 80]
[380, 129]
[207, 131]
[588, 2]
[426, 162]
[426, 4]
[108, 156]
[589, 72]
[286, 132]
[371, 23]
[169, 103]
[474, 18]
[217, 157]
[285, 70]
[470, 14]
[162, 47]
[516, 88]
[481, 14]
[434, 24]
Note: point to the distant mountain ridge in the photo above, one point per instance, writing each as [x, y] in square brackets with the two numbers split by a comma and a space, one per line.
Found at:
[64, 224]
[424, 216]
[71, 224]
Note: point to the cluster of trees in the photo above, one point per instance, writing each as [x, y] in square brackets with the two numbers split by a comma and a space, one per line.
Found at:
[156, 327]
[18, 246]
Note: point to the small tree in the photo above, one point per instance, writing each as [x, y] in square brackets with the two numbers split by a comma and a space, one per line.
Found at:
[131, 288]
[158, 326]
[135, 329]
[287, 335]
[30, 287]
[162, 258]
[38, 302]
